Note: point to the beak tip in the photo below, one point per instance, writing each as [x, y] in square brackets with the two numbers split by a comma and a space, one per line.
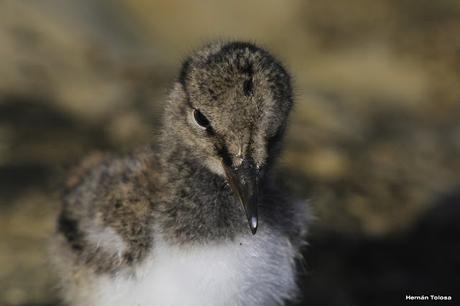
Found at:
[253, 225]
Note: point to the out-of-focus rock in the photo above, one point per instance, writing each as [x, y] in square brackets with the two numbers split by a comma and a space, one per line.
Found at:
[374, 137]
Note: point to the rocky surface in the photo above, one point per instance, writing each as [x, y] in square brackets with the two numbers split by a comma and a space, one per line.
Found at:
[374, 140]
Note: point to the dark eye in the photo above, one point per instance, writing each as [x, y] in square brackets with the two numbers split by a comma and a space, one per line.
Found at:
[200, 119]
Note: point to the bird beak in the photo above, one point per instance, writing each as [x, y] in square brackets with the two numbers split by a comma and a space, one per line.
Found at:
[243, 181]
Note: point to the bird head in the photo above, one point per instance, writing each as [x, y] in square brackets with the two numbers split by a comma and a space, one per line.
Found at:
[229, 106]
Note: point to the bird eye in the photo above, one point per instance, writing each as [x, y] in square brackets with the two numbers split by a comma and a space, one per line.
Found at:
[200, 119]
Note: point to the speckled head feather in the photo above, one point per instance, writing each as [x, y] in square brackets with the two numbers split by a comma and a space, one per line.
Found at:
[227, 113]
[245, 95]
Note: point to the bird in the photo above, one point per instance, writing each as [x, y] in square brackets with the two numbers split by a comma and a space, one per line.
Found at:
[197, 217]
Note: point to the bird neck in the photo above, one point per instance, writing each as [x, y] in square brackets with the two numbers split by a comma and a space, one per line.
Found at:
[198, 205]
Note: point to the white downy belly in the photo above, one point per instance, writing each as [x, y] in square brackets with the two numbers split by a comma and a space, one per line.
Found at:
[251, 270]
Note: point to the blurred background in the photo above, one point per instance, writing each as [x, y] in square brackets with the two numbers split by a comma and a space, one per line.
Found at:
[374, 139]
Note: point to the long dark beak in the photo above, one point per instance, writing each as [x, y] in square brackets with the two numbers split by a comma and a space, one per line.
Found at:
[243, 181]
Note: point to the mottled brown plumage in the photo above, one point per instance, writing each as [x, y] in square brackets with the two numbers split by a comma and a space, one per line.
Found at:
[222, 130]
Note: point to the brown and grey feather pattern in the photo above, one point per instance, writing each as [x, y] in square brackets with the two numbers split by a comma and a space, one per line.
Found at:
[150, 228]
